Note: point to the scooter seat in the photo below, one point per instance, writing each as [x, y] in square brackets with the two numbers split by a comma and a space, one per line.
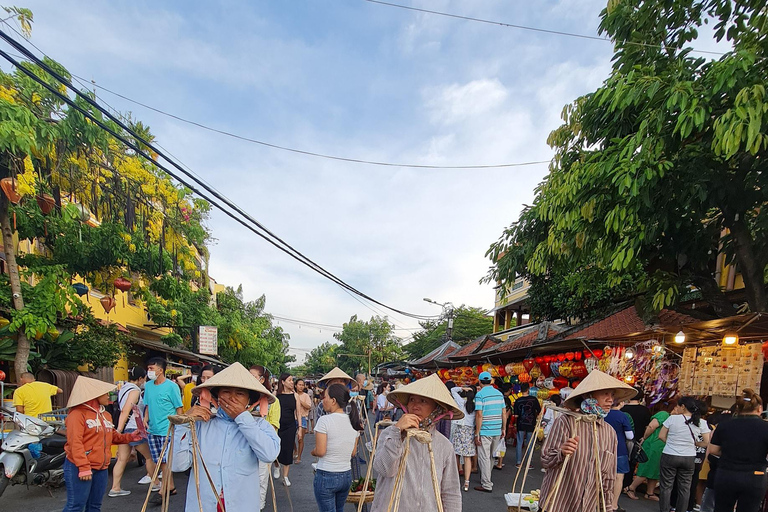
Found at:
[54, 445]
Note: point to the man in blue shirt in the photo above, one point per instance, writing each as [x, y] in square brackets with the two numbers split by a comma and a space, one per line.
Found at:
[162, 398]
[620, 421]
[490, 414]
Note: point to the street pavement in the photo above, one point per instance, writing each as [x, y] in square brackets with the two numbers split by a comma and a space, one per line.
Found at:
[299, 497]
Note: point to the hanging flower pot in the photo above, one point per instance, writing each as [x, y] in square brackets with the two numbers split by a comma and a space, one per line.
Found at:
[108, 303]
[9, 187]
[80, 289]
[122, 284]
[46, 203]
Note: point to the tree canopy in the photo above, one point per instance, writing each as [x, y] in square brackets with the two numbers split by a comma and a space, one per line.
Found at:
[469, 323]
[658, 171]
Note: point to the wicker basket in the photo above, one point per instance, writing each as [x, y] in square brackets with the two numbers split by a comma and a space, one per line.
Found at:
[354, 497]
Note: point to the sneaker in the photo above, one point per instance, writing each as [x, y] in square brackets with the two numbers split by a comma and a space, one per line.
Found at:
[115, 494]
[286, 482]
[156, 488]
[146, 479]
[275, 472]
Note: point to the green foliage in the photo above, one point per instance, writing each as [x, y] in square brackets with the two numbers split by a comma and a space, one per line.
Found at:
[360, 338]
[654, 165]
[320, 360]
[469, 323]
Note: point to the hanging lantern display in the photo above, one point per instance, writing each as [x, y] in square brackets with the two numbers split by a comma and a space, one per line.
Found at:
[569, 356]
[468, 372]
[519, 368]
[540, 381]
[607, 351]
[122, 284]
[549, 383]
[510, 369]
[539, 360]
[9, 187]
[108, 303]
[502, 371]
[487, 367]
[535, 372]
[598, 353]
[559, 382]
[546, 370]
[528, 364]
[80, 289]
[579, 370]
[543, 394]
[587, 354]
[479, 369]
[555, 367]
[577, 355]
[524, 378]
[561, 357]
[553, 392]
[590, 363]
[494, 371]
[533, 391]
[565, 369]
[46, 203]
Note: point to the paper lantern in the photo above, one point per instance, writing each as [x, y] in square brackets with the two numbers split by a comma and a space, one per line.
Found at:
[555, 367]
[510, 369]
[2, 375]
[607, 351]
[587, 354]
[569, 356]
[543, 394]
[468, 372]
[579, 370]
[122, 284]
[598, 353]
[575, 383]
[561, 357]
[539, 360]
[108, 303]
[553, 392]
[549, 383]
[528, 364]
[535, 372]
[479, 369]
[533, 391]
[565, 369]
[80, 289]
[487, 367]
[546, 370]
[577, 356]
[519, 368]
[9, 187]
[493, 371]
[524, 377]
[560, 382]
[46, 203]
[501, 370]
[590, 363]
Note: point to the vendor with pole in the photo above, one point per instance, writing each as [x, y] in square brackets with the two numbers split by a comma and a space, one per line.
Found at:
[580, 452]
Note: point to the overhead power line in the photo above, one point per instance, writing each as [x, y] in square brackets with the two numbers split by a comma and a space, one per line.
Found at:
[259, 229]
[523, 27]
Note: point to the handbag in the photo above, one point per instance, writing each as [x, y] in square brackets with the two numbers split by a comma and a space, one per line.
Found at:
[700, 450]
[638, 455]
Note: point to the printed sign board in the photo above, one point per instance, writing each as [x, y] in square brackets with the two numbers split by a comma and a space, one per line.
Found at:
[208, 340]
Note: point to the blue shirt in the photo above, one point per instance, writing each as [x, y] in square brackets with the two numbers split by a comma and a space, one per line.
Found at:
[620, 423]
[232, 450]
[161, 400]
[490, 401]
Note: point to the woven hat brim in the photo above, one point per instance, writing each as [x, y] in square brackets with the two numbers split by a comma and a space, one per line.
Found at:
[428, 387]
[235, 376]
[86, 389]
[336, 373]
[599, 381]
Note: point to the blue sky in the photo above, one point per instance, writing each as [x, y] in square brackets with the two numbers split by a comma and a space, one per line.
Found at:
[355, 79]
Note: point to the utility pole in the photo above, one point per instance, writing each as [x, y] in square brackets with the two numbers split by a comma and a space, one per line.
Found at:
[448, 311]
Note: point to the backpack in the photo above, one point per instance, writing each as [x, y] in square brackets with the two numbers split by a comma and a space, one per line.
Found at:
[114, 408]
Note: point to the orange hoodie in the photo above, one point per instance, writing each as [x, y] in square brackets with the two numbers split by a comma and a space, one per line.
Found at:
[90, 435]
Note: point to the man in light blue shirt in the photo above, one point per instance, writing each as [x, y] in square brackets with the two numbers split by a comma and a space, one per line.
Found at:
[489, 418]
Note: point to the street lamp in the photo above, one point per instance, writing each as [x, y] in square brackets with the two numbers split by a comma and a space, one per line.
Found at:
[448, 308]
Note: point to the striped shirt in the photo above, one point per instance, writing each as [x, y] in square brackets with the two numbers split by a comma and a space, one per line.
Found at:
[578, 490]
[418, 494]
[490, 402]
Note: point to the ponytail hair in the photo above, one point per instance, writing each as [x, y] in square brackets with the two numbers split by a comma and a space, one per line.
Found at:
[469, 405]
[748, 402]
[340, 393]
[694, 407]
[136, 373]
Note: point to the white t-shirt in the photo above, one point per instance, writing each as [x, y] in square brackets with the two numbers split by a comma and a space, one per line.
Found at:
[123, 395]
[679, 439]
[340, 442]
[382, 403]
[469, 418]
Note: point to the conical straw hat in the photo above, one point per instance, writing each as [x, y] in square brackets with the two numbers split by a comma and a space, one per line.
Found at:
[235, 376]
[599, 381]
[429, 387]
[86, 389]
[336, 373]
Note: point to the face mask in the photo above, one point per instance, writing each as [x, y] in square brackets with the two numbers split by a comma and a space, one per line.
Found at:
[151, 375]
[353, 393]
[194, 379]
[589, 406]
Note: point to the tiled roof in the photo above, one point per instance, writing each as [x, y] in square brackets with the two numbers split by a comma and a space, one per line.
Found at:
[538, 333]
[441, 352]
[483, 342]
[624, 322]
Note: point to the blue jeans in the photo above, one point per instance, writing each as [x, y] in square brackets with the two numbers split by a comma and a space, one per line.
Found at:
[84, 495]
[331, 490]
[523, 438]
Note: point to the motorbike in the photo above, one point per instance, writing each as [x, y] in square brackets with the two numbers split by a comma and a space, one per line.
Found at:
[32, 454]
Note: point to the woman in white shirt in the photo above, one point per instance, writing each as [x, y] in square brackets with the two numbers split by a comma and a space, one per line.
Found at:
[682, 432]
[463, 437]
[335, 445]
[383, 407]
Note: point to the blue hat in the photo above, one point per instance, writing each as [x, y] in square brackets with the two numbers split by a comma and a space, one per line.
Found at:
[485, 377]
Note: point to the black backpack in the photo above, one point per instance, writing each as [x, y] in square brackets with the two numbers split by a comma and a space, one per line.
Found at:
[114, 407]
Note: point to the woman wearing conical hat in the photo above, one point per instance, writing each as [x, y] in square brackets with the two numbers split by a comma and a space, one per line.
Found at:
[90, 436]
[582, 445]
[233, 443]
[425, 402]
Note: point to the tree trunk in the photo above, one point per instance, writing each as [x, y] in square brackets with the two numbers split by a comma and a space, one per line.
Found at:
[22, 352]
[750, 265]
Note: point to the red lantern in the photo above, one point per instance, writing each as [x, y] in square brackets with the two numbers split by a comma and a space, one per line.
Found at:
[561, 357]
[528, 364]
[46, 203]
[479, 369]
[524, 377]
[502, 371]
[560, 382]
[9, 187]
[569, 356]
[575, 384]
[2, 375]
[579, 370]
[577, 356]
[539, 360]
[587, 354]
[546, 371]
[468, 372]
[607, 350]
[598, 353]
[122, 284]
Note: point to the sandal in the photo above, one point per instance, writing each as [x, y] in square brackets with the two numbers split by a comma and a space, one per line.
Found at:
[630, 493]
[651, 497]
[466, 485]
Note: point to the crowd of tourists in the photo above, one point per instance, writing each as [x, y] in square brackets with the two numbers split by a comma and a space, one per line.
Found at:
[595, 442]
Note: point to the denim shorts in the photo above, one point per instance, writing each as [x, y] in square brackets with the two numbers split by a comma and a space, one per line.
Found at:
[622, 464]
[133, 443]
